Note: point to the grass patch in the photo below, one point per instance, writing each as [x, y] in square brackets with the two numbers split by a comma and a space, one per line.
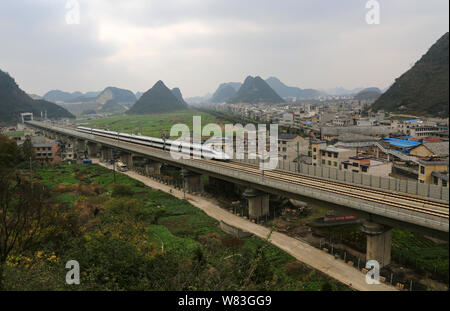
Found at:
[180, 228]
[161, 234]
[421, 253]
[153, 124]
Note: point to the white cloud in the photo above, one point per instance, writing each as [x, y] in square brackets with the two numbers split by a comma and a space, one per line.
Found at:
[197, 44]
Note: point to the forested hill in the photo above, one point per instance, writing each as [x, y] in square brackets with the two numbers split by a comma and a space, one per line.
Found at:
[422, 90]
[156, 100]
[256, 90]
[14, 101]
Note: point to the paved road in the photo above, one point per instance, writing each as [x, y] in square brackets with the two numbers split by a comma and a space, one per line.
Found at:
[302, 251]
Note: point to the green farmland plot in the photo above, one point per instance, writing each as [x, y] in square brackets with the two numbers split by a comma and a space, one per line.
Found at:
[131, 237]
[154, 125]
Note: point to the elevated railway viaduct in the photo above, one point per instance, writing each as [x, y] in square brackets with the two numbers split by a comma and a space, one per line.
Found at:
[383, 209]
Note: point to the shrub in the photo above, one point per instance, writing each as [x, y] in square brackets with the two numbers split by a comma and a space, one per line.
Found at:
[122, 191]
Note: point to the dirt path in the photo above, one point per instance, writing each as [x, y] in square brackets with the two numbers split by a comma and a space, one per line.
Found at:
[303, 252]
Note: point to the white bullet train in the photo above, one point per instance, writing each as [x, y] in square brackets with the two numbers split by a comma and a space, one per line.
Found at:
[198, 150]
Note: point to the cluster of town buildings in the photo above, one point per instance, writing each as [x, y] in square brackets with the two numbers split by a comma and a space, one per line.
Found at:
[336, 135]
[329, 135]
[46, 151]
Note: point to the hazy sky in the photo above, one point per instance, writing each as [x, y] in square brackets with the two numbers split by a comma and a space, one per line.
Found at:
[198, 44]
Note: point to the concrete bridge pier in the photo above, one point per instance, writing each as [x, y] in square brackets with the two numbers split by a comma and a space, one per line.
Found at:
[153, 167]
[379, 239]
[105, 154]
[258, 203]
[79, 149]
[127, 159]
[192, 181]
[93, 149]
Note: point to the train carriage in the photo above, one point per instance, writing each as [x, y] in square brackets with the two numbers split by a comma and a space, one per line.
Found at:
[195, 150]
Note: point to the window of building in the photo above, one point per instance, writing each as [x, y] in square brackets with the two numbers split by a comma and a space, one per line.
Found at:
[435, 180]
[323, 154]
[315, 149]
[345, 166]
[284, 157]
[314, 157]
[329, 163]
[335, 155]
[323, 162]
[329, 154]
[444, 183]
[364, 169]
[49, 153]
[284, 142]
[355, 164]
[335, 164]
[421, 181]
[422, 169]
[284, 149]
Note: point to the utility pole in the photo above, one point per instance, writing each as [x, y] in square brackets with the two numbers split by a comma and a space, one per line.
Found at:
[262, 167]
[184, 188]
[31, 176]
[114, 168]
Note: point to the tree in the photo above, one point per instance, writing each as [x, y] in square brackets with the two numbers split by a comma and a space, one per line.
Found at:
[27, 150]
[21, 203]
[21, 215]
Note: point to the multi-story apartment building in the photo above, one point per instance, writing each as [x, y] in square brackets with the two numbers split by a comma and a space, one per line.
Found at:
[419, 128]
[428, 130]
[330, 156]
[67, 153]
[48, 152]
[316, 145]
[342, 121]
[290, 146]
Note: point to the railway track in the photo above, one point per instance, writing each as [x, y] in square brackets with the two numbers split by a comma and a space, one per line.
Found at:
[406, 202]
[356, 187]
[364, 193]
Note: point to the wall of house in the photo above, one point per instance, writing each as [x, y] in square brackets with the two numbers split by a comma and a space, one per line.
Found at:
[425, 171]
